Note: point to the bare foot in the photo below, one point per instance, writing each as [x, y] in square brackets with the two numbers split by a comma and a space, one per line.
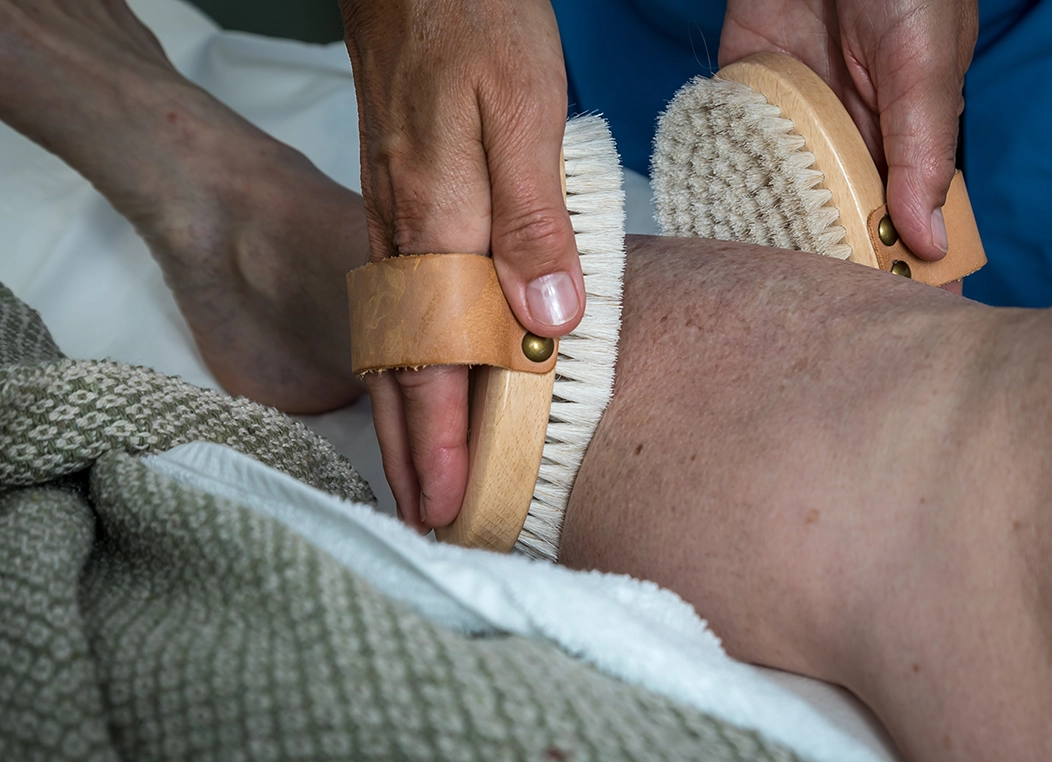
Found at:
[848, 475]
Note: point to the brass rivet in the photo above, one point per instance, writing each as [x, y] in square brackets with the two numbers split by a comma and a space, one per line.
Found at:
[537, 348]
[886, 231]
[898, 267]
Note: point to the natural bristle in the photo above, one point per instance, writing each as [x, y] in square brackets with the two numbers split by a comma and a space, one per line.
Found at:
[728, 165]
[585, 369]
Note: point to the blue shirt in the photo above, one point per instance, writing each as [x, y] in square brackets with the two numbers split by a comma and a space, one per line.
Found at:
[626, 58]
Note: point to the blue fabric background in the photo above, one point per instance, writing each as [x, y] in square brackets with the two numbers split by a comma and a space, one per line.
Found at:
[626, 58]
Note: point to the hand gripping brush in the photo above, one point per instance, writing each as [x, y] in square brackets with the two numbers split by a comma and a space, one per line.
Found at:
[765, 153]
[534, 403]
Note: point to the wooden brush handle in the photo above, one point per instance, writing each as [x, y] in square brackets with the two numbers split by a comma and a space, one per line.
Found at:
[850, 174]
[508, 420]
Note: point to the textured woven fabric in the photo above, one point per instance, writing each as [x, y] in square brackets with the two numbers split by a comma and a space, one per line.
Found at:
[142, 620]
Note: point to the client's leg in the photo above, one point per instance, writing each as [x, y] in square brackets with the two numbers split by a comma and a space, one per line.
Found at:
[253, 240]
[847, 474]
[258, 270]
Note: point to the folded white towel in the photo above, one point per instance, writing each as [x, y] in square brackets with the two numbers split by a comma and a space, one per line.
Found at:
[629, 629]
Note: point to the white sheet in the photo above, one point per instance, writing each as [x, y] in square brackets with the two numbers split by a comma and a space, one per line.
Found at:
[68, 254]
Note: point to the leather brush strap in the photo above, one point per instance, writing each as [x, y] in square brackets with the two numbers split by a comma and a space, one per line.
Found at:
[435, 309]
[965, 255]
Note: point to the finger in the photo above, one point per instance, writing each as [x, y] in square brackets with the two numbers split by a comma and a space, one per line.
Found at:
[427, 191]
[532, 240]
[918, 73]
[433, 199]
[393, 436]
[436, 405]
[534, 249]
[920, 142]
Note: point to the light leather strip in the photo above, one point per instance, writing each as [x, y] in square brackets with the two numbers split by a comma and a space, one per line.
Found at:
[965, 255]
[434, 309]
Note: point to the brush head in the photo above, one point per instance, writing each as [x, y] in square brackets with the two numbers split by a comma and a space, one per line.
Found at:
[728, 165]
[585, 369]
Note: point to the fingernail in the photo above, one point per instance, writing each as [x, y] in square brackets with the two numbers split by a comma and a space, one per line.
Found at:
[938, 231]
[552, 299]
[423, 511]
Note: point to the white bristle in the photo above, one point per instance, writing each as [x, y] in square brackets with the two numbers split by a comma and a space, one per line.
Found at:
[727, 165]
[585, 368]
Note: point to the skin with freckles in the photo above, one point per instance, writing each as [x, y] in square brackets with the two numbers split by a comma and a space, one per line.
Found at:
[848, 474]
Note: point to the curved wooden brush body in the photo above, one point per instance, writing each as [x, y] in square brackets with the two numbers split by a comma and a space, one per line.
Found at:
[851, 176]
[508, 419]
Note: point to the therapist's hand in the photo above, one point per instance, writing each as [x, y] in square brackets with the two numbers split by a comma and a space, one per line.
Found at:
[898, 66]
[462, 105]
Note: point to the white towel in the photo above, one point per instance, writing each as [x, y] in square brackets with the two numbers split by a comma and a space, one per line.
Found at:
[629, 629]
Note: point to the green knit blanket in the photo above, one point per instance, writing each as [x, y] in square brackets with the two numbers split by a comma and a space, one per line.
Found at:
[142, 620]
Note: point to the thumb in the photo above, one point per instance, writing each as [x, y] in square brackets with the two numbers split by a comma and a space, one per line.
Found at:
[920, 103]
[920, 143]
[533, 243]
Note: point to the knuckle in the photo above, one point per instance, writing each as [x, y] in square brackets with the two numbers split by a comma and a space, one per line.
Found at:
[921, 135]
[926, 180]
[937, 163]
[428, 209]
[430, 188]
[408, 220]
[438, 463]
[528, 95]
[435, 400]
[539, 238]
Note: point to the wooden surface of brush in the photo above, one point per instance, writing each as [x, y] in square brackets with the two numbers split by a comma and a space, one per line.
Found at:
[765, 153]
